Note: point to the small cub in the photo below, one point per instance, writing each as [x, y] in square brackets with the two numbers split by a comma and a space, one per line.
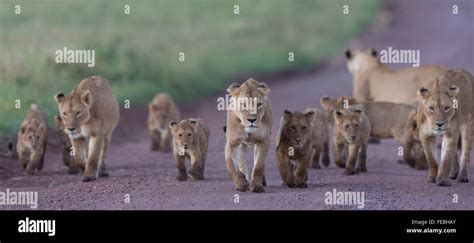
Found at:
[320, 139]
[161, 111]
[68, 158]
[294, 142]
[32, 140]
[351, 132]
[190, 140]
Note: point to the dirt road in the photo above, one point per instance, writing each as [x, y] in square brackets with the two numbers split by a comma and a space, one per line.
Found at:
[148, 178]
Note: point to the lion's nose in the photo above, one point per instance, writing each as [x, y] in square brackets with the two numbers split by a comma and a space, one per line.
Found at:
[251, 120]
[439, 124]
[298, 140]
[71, 129]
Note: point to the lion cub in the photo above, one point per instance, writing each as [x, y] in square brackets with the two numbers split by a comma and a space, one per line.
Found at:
[320, 139]
[32, 140]
[161, 111]
[351, 133]
[294, 142]
[66, 146]
[190, 140]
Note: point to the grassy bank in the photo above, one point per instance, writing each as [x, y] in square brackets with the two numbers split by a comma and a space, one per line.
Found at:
[138, 53]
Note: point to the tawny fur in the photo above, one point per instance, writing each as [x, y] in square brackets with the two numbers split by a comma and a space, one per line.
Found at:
[294, 143]
[375, 81]
[190, 140]
[66, 146]
[446, 108]
[32, 140]
[161, 111]
[248, 128]
[350, 135]
[90, 114]
[320, 139]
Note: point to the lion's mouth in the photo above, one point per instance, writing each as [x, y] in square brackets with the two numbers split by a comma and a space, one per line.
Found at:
[439, 131]
[251, 128]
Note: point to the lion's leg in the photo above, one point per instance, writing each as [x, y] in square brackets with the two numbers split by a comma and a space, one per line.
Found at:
[155, 138]
[466, 144]
[362, 165]
[103, 157]
[68, 159]
[352, 159]
[326, 159]
[182, 174]
[95, 145]
[242, 158]
[454, 171]
[302, 172]
[284, 167]
[338, 154]
[237, 177]
[260, 153]
[428, 144]
[316, 151]
[165, 142]
[79, 152]
[448, 151]
[196, 166]
[35, 161]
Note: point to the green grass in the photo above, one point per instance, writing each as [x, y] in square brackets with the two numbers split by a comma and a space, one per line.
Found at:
[138, 53]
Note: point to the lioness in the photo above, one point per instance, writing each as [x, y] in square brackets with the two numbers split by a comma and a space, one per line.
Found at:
[320, 138]
[66, 146]
[32, 140]
[249, 125]
[294, 142]
[446, 109]
[375, 81]
[190, 140]
[90, 114]
[161, 111]
[387, 120]
[350, 135]
[9, 153]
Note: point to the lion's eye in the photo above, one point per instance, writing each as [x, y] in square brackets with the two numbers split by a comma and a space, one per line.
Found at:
[259, 105]
[64, 114]
[347, 126]
[356, 125]
[37, 137]
[293, 127]
[180, 134]
[446, 108]
[189, 134]
[78, 113]
[431, 108]
[303, 128]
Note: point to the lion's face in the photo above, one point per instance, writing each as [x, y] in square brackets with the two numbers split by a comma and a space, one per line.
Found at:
[358, 60]
[297, 127]
[184, 132]
[74, 111]
[438, 107]
[251, 99]
[63, 137]
[348, 123]
[33, 135]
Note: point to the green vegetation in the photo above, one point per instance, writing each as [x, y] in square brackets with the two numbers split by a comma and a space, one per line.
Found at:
[138, 53]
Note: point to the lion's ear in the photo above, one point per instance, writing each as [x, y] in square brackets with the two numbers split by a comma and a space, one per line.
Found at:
[234, 87]
[372, 52]
[59, 97]
[348, 54]
[286, 116]
[263, 87]
[324, 101]
[338, 115]
[152, 106]
[453, 91]
[22, 130]
[86, 98]
[309, 117]
[423, 92]
[173, 125]
[194, 124]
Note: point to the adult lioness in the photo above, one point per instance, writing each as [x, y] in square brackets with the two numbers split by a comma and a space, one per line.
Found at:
[90, 114]
[249, 124]
[446, 109]
[374, 81]
[294, 142]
